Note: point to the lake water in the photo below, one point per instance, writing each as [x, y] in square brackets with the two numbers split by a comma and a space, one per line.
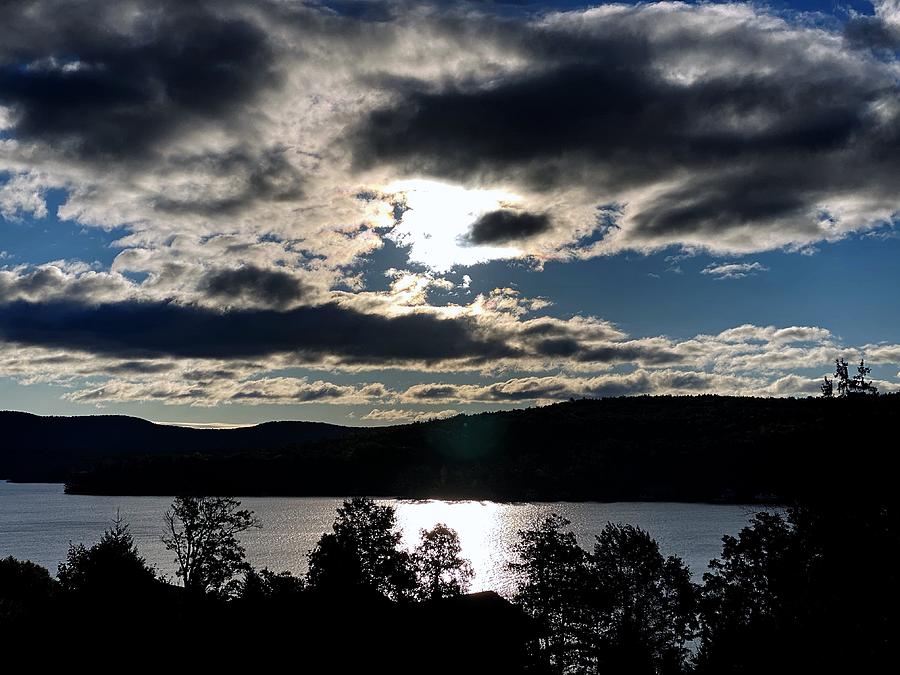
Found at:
[37, 522]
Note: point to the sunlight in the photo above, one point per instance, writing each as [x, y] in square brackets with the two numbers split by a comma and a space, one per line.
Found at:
[438, 218]
[477, 524]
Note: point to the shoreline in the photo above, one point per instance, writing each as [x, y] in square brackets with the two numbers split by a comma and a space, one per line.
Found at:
[771, 503]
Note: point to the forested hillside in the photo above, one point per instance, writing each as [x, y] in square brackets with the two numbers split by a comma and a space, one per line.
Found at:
[654, 448]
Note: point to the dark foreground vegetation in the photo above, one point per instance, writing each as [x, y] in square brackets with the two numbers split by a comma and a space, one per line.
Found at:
[813, 589]
[703, 448]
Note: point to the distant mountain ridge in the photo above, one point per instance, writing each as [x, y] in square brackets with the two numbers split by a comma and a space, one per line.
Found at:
[644, 448]
[49, 448]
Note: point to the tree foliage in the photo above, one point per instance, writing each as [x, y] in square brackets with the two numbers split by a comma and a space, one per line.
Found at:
[202, 532]
[780, 597]
[441, 571]
[807, 589]
[622, 606]
[552, 586]
[650, 448]
[26, 590]
[107, 567]
[850, 386]
[644, 603]
[362, 551]
[264, 584]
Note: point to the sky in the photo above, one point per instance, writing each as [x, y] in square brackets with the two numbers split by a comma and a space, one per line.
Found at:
[374, 212]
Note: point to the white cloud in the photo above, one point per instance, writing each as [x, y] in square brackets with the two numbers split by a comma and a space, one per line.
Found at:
[398, 415]
[733, 270]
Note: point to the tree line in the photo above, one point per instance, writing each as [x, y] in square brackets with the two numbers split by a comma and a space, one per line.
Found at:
[704, 448]
[799, 589]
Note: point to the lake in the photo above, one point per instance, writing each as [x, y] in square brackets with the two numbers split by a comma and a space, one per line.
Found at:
[37, 522]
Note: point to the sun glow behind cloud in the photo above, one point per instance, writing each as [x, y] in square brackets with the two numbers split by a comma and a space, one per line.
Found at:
[438, 219]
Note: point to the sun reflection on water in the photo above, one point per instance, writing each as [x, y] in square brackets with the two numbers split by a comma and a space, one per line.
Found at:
[481, 533]
[37, 521]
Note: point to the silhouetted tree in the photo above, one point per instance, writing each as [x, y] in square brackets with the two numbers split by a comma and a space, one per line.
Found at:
[267, 585]
[440, 569]
[644, 604]
[624, 608]
[552, 586]
[112, 567]
[842, 376]
[858, 384]
[783, 596]
[202, 532]
[26, 590]
[827, 388]
[362, 551]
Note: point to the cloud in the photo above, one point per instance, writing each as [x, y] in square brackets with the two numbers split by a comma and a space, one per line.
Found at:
[70, 308]
[554, 388]
[489, 333]
[881, 31]
[501, 227]
[745, 360]
[397, 415]
[21, 195]
[560, 387]
[883, 353]
[733, 270]
[793, 385]
[719, 126]
[266, 287]
[252, 175]
[514, 391]
[181, 122]
[710, 126]
[264, 391]
[252, 157]
[109, 84]
[749, 332]
[53, 282]
[723, 127]
[144, 329]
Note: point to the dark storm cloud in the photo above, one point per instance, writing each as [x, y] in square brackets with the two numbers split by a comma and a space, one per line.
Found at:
[265, 287]
[732, 149]
[145, 329]
[557, 347]
[645, 354]
[612, 117]
[498, 227]
[75, 78]
[715, 203]
[871, 32]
